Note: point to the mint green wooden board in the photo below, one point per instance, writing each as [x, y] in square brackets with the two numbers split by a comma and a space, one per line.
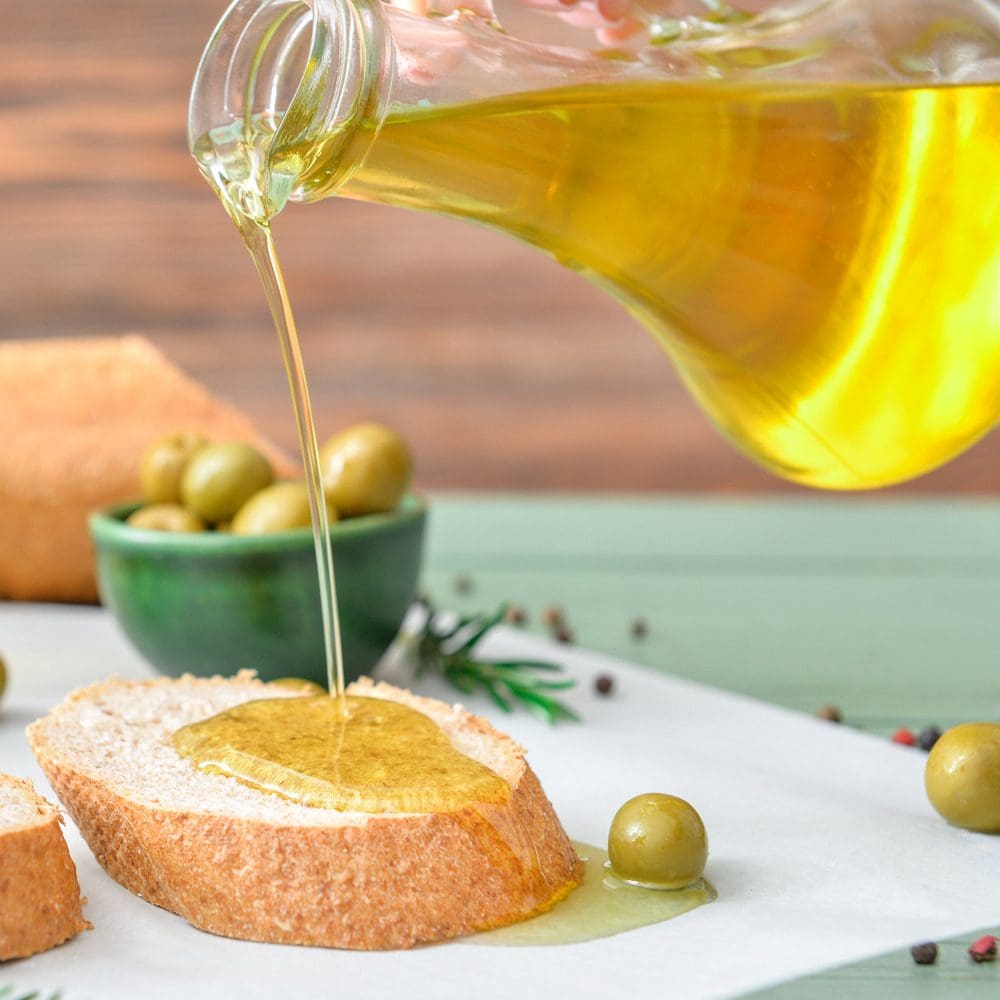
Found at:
[887, 609]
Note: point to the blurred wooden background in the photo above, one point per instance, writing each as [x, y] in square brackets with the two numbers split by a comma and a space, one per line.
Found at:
[505, 371]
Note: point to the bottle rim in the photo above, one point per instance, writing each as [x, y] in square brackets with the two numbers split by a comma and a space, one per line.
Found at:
[313, 68]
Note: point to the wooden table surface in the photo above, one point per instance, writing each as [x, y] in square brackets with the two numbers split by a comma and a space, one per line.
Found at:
[506, 371]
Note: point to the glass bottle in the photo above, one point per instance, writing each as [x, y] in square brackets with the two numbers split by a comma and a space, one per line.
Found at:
[799, 205]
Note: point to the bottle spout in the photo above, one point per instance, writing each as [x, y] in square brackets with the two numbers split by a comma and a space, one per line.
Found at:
[283, 84]
[289, 95]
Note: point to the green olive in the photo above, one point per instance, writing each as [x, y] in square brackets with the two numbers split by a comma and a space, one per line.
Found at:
[163, 464]
[165, 517]
[220, 478]
[658, 841]
[365, 469]
[963, 776]
[281, 507]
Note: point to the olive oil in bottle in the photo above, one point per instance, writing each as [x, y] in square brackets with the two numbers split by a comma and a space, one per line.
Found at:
[820, 261]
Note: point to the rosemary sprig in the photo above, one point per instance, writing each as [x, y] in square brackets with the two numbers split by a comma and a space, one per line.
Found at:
[446, 644]
[9, 993]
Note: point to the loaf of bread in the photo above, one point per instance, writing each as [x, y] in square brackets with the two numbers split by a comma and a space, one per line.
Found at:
[40, 903]
[248, 864]
[75, 418]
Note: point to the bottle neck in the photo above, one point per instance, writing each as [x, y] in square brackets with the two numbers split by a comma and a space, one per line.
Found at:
[287, 99]
[290, 95]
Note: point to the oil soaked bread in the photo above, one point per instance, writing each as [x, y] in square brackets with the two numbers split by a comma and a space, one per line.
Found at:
[248, 864]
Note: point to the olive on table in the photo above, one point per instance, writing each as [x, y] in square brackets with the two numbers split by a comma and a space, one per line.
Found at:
[658, 841]
[963, 776]
[220, 478]
[365, 469]
[163, 464]
[280, 507]
[165, 517]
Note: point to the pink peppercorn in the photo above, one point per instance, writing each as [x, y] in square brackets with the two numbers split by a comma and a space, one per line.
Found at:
[905, 737]
[984, 950]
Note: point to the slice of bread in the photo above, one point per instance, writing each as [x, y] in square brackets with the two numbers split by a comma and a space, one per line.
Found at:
[40, 903]
[75, 419]
[247, 864]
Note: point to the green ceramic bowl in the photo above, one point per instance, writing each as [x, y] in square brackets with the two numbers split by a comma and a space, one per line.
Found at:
[215, 603]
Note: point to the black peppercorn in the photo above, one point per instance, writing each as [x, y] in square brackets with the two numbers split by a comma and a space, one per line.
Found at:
[929, 735]
[829, 712]
[604, 684]
[553, 616]
[639, 629]
[515, 615]
[925, 954]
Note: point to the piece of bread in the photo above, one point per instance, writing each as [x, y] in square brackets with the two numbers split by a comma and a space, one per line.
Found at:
[40, 903]
[75, 419]
[248, 864]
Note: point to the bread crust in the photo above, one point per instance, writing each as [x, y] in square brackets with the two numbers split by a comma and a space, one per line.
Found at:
[384, 881]
[40, 904]
[76, 416]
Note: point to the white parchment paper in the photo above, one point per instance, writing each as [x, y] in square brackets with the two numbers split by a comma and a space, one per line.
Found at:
[823, 848]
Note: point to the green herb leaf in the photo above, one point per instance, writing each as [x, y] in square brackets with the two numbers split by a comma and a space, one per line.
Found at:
[445, 645]
[9, 993]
